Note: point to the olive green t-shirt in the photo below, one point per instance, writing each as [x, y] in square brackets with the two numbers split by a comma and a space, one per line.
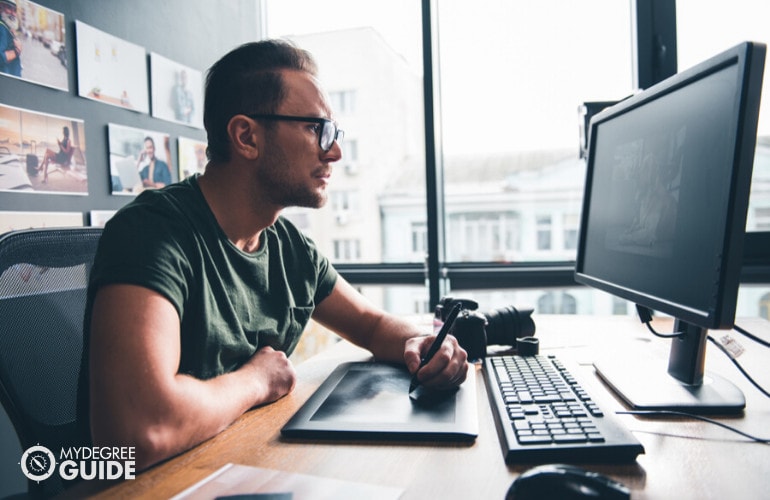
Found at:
[230, 302]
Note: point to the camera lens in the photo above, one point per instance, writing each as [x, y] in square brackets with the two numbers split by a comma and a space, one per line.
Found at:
[506, 324]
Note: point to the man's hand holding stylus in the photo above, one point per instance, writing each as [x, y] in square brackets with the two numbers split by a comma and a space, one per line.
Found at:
[448, 367]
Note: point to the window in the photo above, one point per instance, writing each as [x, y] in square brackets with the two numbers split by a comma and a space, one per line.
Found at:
[619, 306]
[764, 306]
[350, 159]
[557, 303]
[506, 135]
[571, 226]
[509, 103]
[343, 101]
[369, 56]
[344, 201]
[419, 238]
[483, 236]
[347, 250]
[761, 219]
[543, 231]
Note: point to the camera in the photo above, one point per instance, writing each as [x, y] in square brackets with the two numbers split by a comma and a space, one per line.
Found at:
[474, 331]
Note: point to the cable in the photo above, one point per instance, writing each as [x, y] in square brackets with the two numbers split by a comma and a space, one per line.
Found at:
[663, 413]
[663, 335]
[749, 335]
[738, 365]
[645, 316]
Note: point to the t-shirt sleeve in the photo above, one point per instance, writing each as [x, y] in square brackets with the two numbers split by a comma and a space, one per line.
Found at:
[148, 255]
[326, 275]
[327, 278]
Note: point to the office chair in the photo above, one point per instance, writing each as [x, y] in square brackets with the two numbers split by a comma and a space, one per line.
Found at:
[43, 281]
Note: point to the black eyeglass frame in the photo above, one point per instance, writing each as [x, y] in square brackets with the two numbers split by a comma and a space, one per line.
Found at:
[337, 136]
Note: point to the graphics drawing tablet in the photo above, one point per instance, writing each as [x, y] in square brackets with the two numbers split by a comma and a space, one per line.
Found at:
[369, 400]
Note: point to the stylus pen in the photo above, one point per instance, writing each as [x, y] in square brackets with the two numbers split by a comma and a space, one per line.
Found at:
[434, 347]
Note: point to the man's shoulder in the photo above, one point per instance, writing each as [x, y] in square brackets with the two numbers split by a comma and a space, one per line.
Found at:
[284, 228]
[171, 203]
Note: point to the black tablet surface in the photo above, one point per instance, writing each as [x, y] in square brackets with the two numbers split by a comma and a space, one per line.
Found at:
[366, 400]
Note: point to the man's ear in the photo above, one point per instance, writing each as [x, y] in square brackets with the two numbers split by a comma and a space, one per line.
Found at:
[245, 136]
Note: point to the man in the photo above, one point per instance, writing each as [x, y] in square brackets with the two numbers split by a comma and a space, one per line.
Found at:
[200, 290]
[156, 173]
[182, 99]
[10, 46]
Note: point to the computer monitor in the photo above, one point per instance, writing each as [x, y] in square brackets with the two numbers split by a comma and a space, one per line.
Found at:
[664, 215]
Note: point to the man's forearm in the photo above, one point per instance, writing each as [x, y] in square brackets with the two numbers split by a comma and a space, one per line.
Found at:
[389, 338]
[185, 414]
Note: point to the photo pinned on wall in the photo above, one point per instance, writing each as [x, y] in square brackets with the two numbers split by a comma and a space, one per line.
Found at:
[139, 159]
[35, 44]
[42, 153]
[28, 279]
[98, 218]
[192, 156]
[111, 70]
[14, 221]
[177, 92]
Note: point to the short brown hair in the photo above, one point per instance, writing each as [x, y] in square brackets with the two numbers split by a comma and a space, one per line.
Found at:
[248, 80]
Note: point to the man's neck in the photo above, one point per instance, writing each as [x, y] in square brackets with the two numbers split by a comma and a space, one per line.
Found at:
[240, 214]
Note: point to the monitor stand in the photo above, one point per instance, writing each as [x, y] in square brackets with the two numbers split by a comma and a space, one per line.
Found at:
[644, 384]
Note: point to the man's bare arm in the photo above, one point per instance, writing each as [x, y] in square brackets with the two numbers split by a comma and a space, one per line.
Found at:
[389, 337]
[139, 399]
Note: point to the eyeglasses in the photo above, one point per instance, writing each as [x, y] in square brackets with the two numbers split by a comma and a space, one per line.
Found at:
[328, 134]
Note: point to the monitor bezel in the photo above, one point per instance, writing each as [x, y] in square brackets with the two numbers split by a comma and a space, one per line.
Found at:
[749, 56]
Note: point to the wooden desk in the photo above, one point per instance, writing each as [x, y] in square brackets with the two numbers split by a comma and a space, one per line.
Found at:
[684, 458]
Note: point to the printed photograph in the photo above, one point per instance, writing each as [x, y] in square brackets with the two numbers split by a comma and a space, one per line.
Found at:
[139, 159]
[13, 221]
[42, 153]
[33, 39]
[111, 70]
[98, 218]
[29, 279]
[177, 92]
[192, 156]
[24, 279]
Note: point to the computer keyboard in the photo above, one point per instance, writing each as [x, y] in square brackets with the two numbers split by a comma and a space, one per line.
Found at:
[544, 415]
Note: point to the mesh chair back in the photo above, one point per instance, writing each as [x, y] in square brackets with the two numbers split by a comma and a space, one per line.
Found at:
[43, 281]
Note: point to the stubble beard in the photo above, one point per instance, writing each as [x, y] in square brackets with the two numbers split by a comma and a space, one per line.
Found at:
[279, 186]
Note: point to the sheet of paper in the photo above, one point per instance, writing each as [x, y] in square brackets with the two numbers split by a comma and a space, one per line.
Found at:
[243, 481]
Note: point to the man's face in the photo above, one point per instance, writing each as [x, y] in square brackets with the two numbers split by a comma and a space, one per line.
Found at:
[149, 149]
[8, 16]
[292, 167]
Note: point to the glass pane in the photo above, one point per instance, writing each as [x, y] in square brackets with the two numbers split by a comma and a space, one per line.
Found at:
[708, 27]
[753, 302]
[576, 300]
[512, 77]
[370, 62]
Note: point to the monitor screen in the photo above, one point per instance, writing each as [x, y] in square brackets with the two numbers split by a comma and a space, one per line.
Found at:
[666, 195]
